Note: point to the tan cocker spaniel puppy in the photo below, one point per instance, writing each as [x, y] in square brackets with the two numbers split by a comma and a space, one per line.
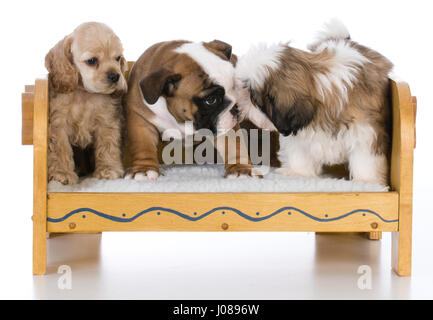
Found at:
[86, 79]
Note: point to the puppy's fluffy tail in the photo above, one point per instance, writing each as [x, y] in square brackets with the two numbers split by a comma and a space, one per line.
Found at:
[332, 30]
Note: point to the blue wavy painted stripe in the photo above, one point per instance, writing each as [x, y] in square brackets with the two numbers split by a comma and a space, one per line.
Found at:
[199, 217]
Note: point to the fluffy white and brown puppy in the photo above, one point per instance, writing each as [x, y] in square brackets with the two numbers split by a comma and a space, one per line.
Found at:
[86, 85]
[173, 83]
[330, 105]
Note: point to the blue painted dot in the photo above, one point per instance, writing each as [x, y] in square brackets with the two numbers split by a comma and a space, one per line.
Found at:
[326, 215]
[363, 214]
[158, 213]
[124, 215]
[289, 213]
[223, 212]
[258, 213]
[195, 213]
[84, 216]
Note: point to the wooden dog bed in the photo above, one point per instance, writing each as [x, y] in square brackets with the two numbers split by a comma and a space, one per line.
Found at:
[371, 212]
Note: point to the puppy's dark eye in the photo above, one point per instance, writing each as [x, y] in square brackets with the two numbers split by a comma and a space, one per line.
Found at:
[92, 61]
[118, 58]
[212, 100]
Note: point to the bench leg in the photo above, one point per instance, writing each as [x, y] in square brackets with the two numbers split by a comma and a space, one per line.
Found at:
[402, 242]
[51, 235]
[402, 252]
[374, 235]
[39, 246]
[40, 176]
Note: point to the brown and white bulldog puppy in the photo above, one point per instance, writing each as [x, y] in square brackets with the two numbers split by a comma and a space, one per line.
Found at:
[175, 82]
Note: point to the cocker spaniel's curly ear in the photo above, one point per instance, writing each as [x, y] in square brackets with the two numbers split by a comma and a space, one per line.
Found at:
[123, 65]
[63, 74]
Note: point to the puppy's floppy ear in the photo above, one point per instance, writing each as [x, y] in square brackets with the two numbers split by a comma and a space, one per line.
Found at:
[222, 47]
[63, 74]
[158, 83]
[289, 119]
[234, 60]
[123, 65]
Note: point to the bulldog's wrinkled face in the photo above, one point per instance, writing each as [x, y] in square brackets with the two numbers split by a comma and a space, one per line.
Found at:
[197, 85]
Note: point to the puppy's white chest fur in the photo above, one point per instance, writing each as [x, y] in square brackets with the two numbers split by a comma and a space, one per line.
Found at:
[165, 121]
[315, 147]
[307, 152]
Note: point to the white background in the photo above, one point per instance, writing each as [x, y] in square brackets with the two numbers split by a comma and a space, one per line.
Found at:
[401, 30]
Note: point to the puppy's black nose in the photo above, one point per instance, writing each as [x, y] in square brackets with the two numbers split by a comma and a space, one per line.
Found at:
[235, 110]
[113, 77]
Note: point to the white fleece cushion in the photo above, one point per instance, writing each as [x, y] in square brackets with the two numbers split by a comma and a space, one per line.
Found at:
[210, 178]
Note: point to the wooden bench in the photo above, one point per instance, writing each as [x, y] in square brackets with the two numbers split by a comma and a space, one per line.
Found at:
[373, 213]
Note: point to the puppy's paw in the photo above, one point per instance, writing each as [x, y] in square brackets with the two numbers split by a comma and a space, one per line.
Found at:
[242, 170]
[64, 177]
[148, 175]
[108, 173]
